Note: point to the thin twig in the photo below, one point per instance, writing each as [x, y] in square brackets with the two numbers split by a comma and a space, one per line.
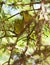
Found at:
[4, 62]
[1, 3]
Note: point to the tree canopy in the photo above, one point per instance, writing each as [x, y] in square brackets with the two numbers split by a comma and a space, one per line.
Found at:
[24, 32]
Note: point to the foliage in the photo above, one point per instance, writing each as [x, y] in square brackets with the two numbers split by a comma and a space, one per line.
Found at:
[24, 32]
